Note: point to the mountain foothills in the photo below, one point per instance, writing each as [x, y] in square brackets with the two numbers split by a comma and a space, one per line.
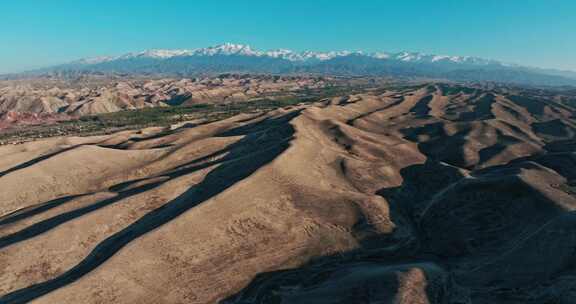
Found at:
[370, 192]
[44, 100]
[91, 95]
[238, 58]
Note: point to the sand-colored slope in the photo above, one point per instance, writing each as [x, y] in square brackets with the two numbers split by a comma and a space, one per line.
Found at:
[413, 196]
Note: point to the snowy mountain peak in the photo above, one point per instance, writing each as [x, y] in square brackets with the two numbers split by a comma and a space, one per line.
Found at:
[228, 49]
[95, 60]
[241, 58]
[163, 53]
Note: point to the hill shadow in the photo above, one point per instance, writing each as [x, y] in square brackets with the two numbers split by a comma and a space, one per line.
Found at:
[360, 275]
[262, 148]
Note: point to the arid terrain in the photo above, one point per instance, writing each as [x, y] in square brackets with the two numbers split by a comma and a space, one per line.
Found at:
[45, 99]
[419, 194]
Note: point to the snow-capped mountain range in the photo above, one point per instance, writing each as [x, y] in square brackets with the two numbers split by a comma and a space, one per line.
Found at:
[229, 49]
[238, 58]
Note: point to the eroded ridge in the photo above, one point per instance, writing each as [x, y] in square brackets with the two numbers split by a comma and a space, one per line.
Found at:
[433, 193]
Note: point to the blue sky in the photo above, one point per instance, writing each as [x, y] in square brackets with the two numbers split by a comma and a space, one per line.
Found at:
[35, 33]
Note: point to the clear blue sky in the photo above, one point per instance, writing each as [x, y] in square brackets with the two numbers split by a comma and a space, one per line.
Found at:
[36, 33]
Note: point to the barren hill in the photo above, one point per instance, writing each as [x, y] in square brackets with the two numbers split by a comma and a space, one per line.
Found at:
[42, 100]
[427, 194]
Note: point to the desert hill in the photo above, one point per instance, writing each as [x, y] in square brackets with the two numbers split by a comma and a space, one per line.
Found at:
[435, 193]
[93, 95]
